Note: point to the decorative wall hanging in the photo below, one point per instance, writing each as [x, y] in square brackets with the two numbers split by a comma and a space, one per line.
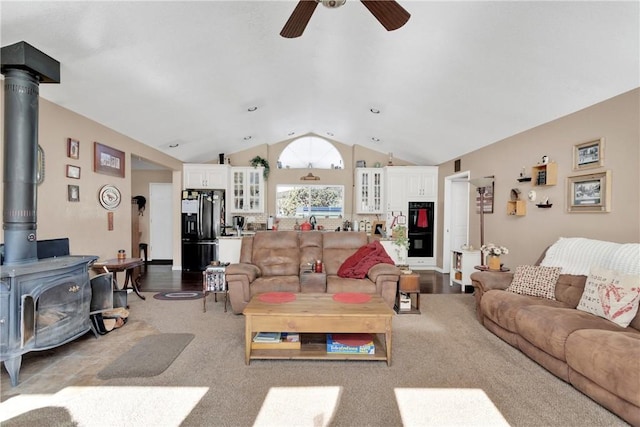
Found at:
[73, 171]
[588, 154]
[109, 197]
[73, 148]
[108, 161]
[73, 193]
[589, 193]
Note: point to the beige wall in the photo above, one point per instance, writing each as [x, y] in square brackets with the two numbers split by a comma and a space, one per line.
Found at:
[344, 176]
[84, 222]
[616, 120]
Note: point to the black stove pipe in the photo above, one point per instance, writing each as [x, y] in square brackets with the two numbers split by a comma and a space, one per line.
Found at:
[24, 68]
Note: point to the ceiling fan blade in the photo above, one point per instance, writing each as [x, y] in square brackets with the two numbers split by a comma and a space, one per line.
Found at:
[299, 19]
[390, 14]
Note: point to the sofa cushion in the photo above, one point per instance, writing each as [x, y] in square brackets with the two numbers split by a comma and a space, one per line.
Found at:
[358, 264]
[336, 247]
[548, 327]
[277, 254]
[569, 289]
[611, 295]
[501, 306]
[610, 360]
[536, 281]
[337, 285]
[310, 247]
[275, 284]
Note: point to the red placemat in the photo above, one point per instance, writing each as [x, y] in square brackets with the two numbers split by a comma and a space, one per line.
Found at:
[352, 297]
[277, 297]
[353, 340]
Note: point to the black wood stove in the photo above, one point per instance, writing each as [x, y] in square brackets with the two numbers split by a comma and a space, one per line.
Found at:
[43, 303]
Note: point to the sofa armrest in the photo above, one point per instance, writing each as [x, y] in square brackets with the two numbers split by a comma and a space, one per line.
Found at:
[252, 271]
[383, 270]
[487, 280]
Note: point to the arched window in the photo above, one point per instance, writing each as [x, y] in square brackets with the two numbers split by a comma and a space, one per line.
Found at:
[310, 152]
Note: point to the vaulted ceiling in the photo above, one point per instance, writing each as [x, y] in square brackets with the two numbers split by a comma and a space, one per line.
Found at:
[456, 77]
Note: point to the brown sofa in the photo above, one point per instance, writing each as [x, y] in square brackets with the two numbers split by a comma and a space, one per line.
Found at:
[274, 261]
[595, 355]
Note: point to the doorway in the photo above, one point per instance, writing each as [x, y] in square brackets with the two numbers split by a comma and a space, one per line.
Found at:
[160, 221]
[456, 216]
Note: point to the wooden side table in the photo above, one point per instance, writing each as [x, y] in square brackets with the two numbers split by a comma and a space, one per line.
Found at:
[214, 282]
[409, 284]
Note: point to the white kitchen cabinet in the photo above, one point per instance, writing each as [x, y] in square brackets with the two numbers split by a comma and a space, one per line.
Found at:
[462, 265]
[247, 190]
[422, 184]
[205, 176]
[370, 190]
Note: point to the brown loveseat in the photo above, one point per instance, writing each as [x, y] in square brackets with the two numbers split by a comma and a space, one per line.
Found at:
[593, 354]
[273, 261]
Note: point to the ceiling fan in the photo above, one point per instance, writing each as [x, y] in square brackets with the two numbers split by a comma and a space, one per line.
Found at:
[388, 12]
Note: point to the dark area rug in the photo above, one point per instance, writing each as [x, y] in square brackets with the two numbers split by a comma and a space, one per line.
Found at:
[151, 356]
[178, 295]
[50, 416]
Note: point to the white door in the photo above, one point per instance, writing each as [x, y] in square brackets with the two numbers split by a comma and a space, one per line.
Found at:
[160, 221]
[456, 214]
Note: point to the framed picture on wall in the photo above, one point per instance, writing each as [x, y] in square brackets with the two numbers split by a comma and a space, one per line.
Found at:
[108, 161]
[73, 193]
[588, 154]
[73, 148]
[487, 199]
[73, 171]
[589, 193]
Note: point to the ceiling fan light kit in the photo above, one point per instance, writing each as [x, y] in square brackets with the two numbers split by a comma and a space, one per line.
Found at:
[388, 12]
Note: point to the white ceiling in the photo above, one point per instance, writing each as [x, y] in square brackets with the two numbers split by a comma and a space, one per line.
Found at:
[456, 77]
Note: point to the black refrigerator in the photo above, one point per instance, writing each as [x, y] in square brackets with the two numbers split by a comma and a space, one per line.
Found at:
[203, 216]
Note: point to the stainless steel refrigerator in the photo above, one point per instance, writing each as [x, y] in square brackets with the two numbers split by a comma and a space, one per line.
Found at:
[203, 216]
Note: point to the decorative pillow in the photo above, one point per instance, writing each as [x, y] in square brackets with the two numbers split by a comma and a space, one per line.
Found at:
[535, 280]
[611, 295]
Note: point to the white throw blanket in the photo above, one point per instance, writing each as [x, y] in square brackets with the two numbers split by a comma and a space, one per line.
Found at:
[576, 255]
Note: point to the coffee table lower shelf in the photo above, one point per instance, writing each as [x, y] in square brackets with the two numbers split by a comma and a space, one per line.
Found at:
[317, 351]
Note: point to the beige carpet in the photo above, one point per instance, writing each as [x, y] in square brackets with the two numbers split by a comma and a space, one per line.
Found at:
[447, 370]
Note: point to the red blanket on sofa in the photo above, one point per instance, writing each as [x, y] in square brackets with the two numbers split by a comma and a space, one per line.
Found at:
[358, 264]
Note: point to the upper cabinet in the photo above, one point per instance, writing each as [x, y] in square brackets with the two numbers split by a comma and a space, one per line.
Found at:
[369, 190]
[410, 184]
[247, 189]
[422, 184]
[205, 176]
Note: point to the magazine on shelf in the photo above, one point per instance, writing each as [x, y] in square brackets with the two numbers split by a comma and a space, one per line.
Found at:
[267, 337]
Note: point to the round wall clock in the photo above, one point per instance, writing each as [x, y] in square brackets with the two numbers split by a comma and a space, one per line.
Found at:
[109, 197]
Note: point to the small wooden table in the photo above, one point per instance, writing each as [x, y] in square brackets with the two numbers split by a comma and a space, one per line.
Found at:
[127, 265]
[317, 313]
[409, 284]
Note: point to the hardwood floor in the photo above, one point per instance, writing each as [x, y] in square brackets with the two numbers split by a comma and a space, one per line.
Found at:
[160, 278]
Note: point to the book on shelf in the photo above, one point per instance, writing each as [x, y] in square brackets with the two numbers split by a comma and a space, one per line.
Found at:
[267, 337]
[291, 336]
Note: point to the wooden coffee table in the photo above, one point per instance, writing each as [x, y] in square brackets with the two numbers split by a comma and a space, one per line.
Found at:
[315, 314]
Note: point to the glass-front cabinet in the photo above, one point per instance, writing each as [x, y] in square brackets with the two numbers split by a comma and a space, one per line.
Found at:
[369, 190]
[247, 192]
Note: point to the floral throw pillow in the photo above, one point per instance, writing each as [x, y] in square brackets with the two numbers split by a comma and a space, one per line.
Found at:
[611, 295]
[535, 280]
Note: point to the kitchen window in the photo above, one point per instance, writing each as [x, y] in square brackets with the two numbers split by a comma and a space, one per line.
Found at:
[302, 201]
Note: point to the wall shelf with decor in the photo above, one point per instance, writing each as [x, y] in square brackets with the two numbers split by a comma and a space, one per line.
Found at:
[516, 207]
[544, 174]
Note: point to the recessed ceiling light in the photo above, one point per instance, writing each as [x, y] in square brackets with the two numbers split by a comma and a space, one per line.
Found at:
[173, 145]
[251, 109]
[330, 133]
[374, 139]
[374, 110]
[246, 138]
